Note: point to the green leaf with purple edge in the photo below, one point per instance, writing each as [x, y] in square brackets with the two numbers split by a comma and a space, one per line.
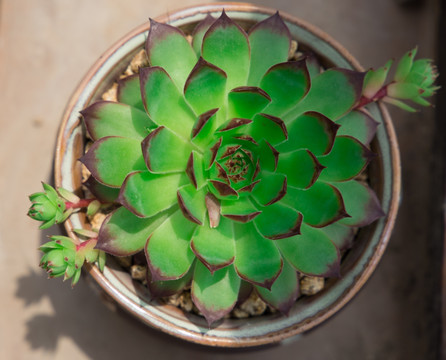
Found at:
[214, 247]
[347, 159]
[269, 128]
[106, 118]
[214, 294]
[205, 88]
[222, 190]
[286, 83]
[104, 159]
[174, 233]
[301, 168]
[311, 253]
[340, 88]
[160, 289]
[242, 210]
[211, 153]
[359, 125]
[145, 194]
[313, 64]
[246, 101]
[271, 188]
[195, 170]
[168, 47]
[404, 91]
[284, 291]
[192, 203]
[268, 155]
[164, 103]
[245, 291]
[123, 233]
[374, 80]
[341, 235]
[233, 126]
[270, 42]
[257, 259]
[312, 131]
[202, 133]
[320, 205]
[405, 65]
[361, 203]
[278, 221]
[165, 152]
[101, 192]
[199, 31]
[226, 45]
[129, 91]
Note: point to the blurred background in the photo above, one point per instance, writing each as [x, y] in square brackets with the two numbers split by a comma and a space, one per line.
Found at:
[46, 46]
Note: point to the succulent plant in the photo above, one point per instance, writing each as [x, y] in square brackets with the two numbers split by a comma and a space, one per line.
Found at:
[48, 207]
[234, 167]
[64, 257]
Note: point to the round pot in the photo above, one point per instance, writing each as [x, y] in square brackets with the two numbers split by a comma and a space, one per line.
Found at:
[357, 264]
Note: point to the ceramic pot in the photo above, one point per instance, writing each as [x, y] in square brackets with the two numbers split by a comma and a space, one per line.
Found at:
[357, 265]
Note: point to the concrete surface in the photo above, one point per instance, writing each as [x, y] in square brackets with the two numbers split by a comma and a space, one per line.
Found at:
[46, 46]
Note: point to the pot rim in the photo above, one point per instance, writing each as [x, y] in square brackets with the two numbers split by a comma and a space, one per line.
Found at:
[230, 341]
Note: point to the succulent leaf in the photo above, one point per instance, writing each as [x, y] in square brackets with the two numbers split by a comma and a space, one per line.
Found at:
[226, 45]
[269, 128]
[164, 103]
[278, 221]
[203, 131]
[270, 189]
[164, 152]
[302, 168]
[101, 192]
[270, 42]
[257, 259]
[199, 31]
[359, 125]
[145, 193]
[192, 203]
[312, 131]
[106, 118]
[129, 91]
[168, 47]
[246, 101]
[171, 287]
[104, 159]
[286, 84]
[312, 253]
[320, 205]
[205, 88]
[68, 195]
[195, 170]
[340, 88]
[242, 210]
[347, 159]
[123, 233]
[374, 79]
[284, 291]
[93, 207]
[214, 247]
[174, 233]
[214, 294]
[405, 65]
[341, 235]
[361, 202]
[268, 156]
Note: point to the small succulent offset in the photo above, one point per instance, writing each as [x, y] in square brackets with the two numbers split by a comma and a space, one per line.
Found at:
[232, 166]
